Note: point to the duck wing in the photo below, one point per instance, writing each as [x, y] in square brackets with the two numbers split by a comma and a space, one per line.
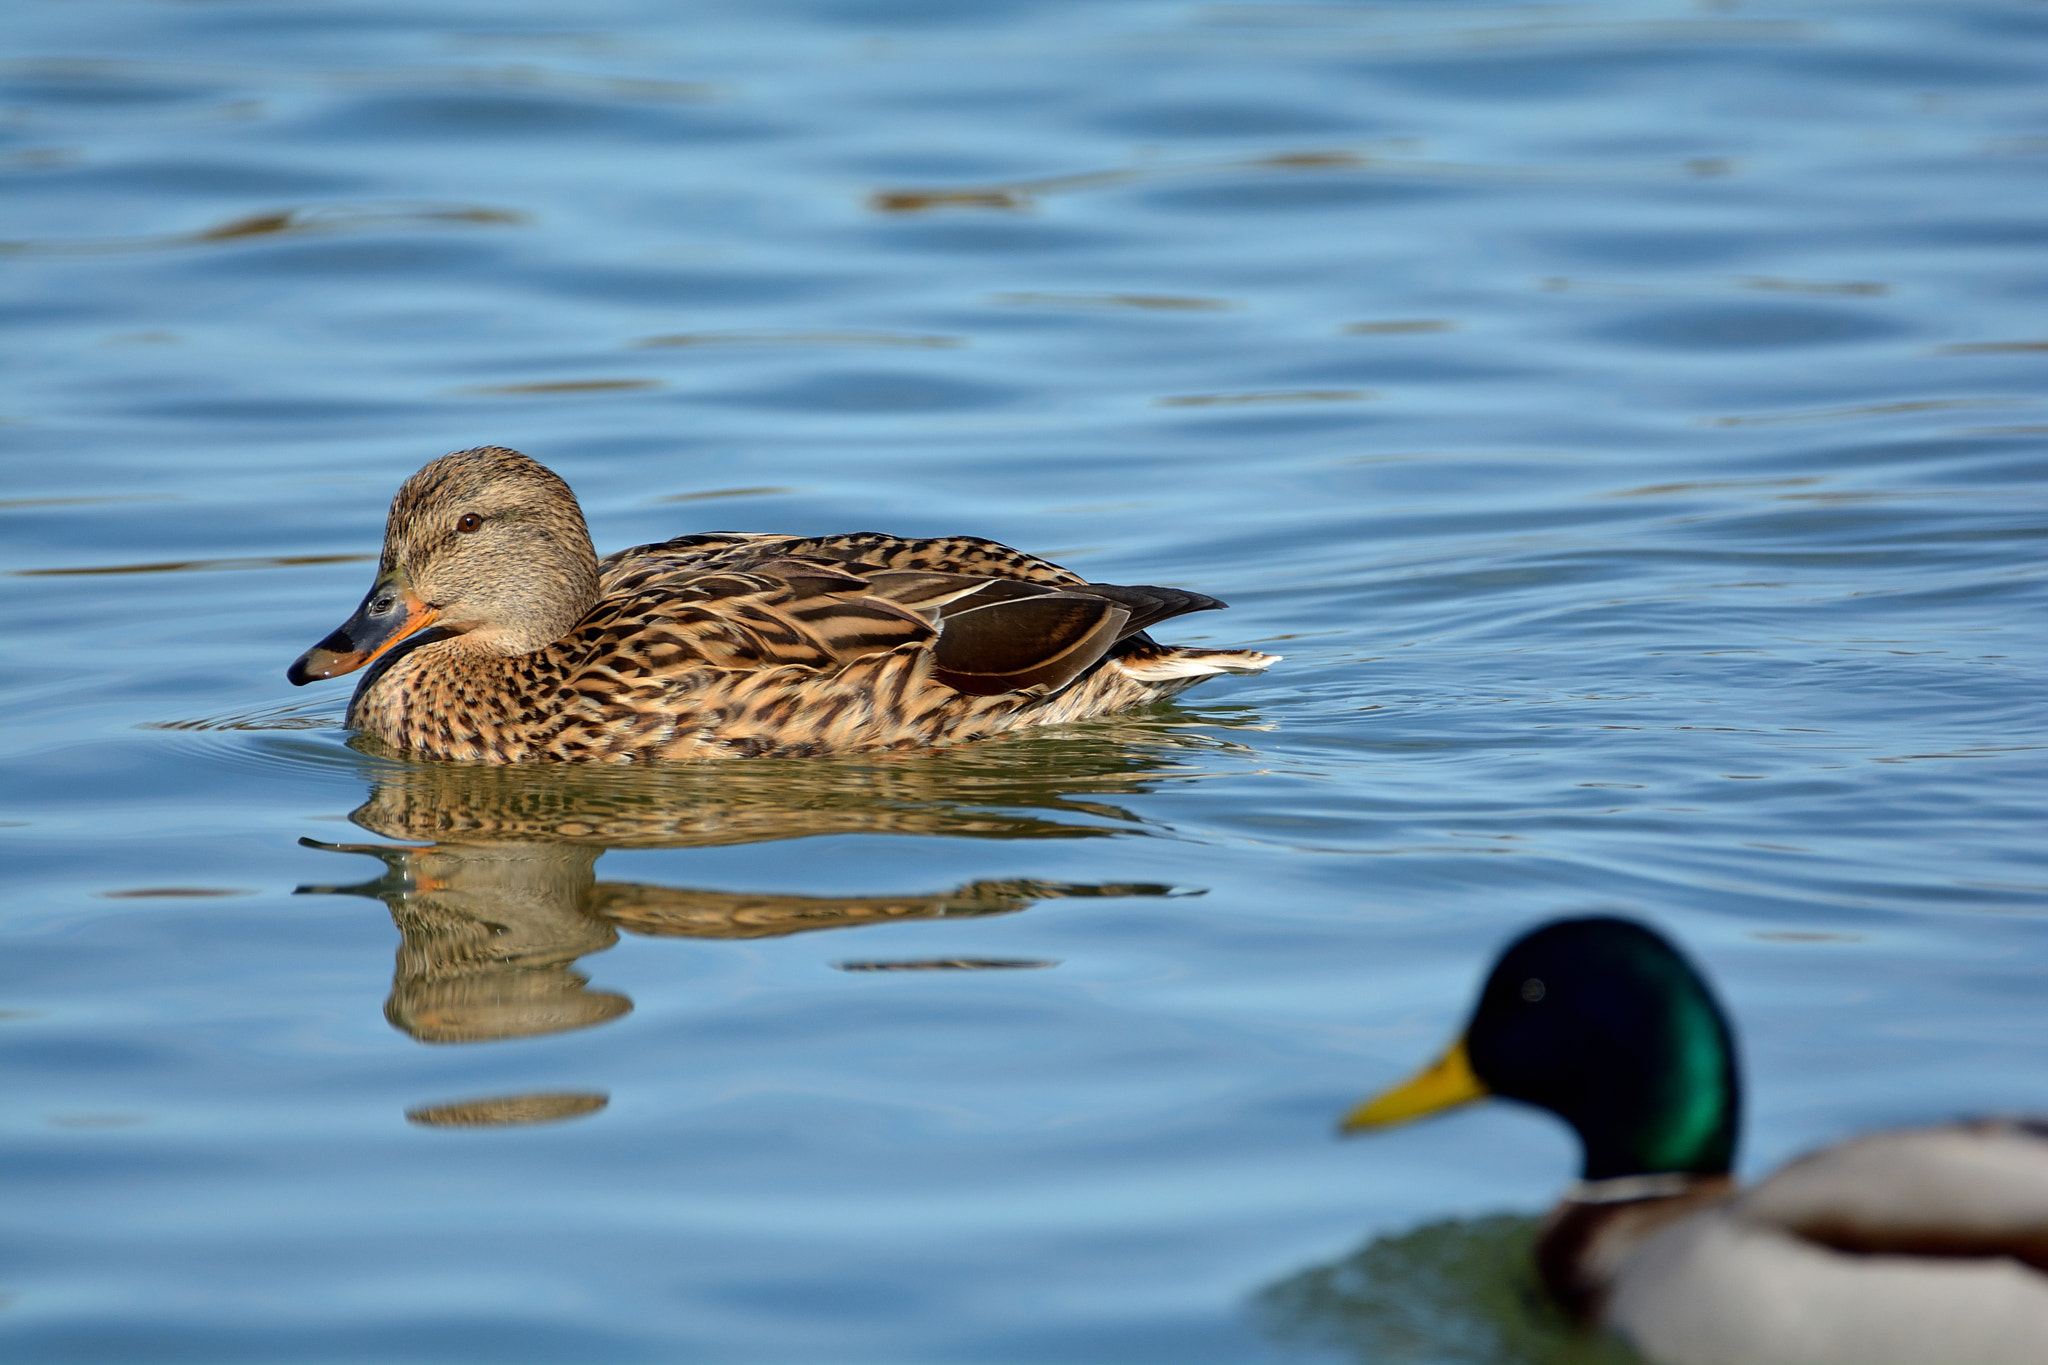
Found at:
[969, 555]
[1976, 1189]
[661, 623]
[1009, 621]
[862, 552]
[997, 620]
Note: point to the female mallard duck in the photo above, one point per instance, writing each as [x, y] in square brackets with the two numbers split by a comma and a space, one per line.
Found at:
[1913, 1246]
[498, 635]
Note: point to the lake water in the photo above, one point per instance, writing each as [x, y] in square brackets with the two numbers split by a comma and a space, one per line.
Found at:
[1628, 418]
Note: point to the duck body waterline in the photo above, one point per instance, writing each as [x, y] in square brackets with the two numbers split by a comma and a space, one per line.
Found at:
[1897, 1248]
[493, 633]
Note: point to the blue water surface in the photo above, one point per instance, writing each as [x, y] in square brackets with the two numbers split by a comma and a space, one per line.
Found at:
[1627, 418]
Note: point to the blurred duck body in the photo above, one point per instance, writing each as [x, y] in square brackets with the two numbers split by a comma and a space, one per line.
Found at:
[494, 633]
[1902, 1247]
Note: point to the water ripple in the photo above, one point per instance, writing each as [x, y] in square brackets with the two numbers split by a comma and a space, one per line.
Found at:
[1623, 413]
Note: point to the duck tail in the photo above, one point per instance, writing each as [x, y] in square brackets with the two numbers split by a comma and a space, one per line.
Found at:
[1162, 663]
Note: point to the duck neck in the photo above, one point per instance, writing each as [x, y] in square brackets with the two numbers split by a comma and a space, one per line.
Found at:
[1679, 1103]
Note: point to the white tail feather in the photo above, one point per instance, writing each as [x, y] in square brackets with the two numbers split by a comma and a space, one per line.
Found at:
[1194, 663]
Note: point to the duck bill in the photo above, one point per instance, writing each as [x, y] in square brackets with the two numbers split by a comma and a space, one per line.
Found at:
[389, 614]
[1446, 1083]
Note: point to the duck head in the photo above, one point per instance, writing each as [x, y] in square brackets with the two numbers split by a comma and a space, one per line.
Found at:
[486, 544]
[1602, 1022]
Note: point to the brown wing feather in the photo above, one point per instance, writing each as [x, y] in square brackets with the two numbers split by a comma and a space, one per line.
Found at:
[1034, 643]
[809, 577]
[1006, 621]
[637, 566]
[2020, 1244]
[934, 592]
[941, 554]
[1149, 606]
[783, 612]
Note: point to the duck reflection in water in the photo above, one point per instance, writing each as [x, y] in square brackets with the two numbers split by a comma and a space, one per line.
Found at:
[494, 913]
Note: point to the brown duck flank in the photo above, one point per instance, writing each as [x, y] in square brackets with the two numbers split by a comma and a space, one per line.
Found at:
[494, 633]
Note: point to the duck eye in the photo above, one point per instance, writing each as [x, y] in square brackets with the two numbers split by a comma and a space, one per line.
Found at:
[470, 521]
[1532, 989]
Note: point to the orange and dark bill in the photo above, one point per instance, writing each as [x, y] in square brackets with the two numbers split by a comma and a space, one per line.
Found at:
[389, 614]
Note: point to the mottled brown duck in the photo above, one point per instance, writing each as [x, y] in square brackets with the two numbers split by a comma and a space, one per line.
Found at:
[494, 633]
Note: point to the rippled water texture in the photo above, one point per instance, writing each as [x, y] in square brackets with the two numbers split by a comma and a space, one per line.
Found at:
[1627, 418]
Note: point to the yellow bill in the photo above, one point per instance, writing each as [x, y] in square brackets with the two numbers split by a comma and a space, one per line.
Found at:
[1445, 1084]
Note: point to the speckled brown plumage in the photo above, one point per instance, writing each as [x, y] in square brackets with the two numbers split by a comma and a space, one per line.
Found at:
[722, 645]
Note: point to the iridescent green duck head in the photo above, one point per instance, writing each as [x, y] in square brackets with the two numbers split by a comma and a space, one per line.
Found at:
[485, 544]
[1603, 1023]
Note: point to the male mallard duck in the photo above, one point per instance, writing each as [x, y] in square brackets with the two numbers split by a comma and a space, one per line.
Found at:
[1914, 1246]
[498, 634]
